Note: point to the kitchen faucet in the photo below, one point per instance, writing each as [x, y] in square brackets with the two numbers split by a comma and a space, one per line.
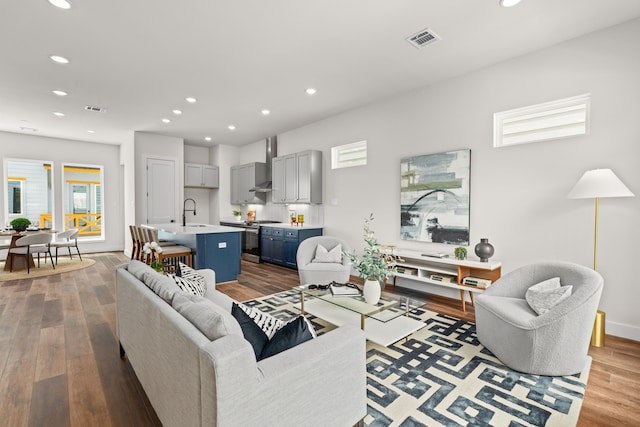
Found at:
[184, 211]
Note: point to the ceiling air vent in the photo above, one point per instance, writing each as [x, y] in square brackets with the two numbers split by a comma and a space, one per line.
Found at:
[422, 38]
[94, 108]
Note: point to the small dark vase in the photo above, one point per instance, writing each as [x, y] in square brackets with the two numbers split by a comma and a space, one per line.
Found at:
[484, 250]
[20, 228]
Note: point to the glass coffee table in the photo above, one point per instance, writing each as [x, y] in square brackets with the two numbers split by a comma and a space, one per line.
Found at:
[383, 323]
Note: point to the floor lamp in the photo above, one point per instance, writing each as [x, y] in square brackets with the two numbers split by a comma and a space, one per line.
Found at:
[596, 184]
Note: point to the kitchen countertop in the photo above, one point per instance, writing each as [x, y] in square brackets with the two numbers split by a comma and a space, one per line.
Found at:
[294, 227]
[194, 228]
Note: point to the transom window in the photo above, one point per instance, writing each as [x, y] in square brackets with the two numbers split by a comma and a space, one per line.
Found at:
[348, 155]
[542, 122]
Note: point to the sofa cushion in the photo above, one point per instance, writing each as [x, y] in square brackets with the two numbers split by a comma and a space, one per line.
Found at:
[332, 256]
[161, 285]
[138, 269]
[290, 335]
[547, 294]
[213, 321]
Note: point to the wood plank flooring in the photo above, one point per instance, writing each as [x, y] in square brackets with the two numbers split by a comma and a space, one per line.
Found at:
[59, 361]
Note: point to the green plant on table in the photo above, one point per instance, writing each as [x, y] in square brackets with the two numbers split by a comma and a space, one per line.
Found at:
[460, 253]
[237, 212]
[20, 222]
[375, 264]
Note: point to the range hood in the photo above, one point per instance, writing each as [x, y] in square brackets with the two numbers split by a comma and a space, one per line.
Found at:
[271, 146]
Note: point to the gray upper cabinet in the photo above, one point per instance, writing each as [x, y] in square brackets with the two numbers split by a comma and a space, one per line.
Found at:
[244, 177]
[203, 176]
[297, 178]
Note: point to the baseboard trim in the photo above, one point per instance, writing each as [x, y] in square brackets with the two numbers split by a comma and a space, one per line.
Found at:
[622, 330]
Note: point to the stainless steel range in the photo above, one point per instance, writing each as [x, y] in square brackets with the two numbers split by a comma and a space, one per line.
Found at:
[250, 237]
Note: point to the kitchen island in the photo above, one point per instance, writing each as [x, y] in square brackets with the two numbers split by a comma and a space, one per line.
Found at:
[213, 246]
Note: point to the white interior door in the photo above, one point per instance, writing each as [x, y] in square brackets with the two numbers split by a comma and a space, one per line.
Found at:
[161, 191]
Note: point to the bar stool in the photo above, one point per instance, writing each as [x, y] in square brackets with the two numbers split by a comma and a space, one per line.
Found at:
[170, 255]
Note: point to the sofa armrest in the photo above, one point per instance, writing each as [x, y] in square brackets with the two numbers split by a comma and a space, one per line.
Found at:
[324, 379]
[209, 276]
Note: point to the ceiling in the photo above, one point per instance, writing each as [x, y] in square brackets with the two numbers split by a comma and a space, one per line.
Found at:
[140, 59]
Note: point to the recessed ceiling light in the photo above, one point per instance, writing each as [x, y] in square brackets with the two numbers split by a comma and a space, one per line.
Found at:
[59, 114]
[311, 91]
[509, 3]
[177, 112]
[207, 138]
[59, 92]
[166, 121]
[91, 131]
[59, 59]
[62, 4]
[265, 112]
[231, 127]
[191, 99]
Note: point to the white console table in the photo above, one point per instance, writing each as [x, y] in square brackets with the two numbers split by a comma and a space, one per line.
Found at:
[421, 268]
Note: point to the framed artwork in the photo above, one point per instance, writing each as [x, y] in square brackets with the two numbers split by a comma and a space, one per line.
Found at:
[434, 197]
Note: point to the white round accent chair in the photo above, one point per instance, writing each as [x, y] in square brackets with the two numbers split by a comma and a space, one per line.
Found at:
[320, 260]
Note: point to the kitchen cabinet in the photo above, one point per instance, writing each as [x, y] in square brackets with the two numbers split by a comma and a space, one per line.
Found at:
[297, 178]
[280, 245]
[202, 176]
[244, 177]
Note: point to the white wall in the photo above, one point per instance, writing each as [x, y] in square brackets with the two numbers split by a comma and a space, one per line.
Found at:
[58, 151]
[518, 194]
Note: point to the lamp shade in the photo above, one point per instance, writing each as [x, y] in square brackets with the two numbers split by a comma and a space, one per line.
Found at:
[599, 183]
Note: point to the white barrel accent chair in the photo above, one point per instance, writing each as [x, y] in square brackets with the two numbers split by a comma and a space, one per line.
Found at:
[29, 245]
[312, 271]
[554, 343]
[67, 239]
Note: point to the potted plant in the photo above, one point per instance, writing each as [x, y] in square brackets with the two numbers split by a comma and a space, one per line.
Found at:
[374, 266]
[20, 224]
[460, 253]
[238, 214]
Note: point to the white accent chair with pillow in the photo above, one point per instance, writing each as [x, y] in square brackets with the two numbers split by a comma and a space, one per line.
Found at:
[538, 319]
[320, 260]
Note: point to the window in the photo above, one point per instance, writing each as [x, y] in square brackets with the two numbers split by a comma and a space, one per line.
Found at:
[83, 200]
[29, 191]
[348, 155]
[14, 193]
[542, 122]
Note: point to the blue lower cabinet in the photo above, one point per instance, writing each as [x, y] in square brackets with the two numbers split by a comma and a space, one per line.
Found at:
[221, 253]
[280, 245]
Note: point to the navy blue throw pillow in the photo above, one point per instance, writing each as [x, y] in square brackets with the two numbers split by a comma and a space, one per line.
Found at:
[251, 331]
[293, 333]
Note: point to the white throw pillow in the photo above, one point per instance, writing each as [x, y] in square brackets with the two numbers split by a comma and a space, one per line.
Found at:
[334, 255]
[544, 295]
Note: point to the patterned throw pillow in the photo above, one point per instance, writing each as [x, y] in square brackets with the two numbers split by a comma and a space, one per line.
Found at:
[189, 280]
[269, 336]
[542, 296]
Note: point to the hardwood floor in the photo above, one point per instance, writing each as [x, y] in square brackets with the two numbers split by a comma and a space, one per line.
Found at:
[59, 361]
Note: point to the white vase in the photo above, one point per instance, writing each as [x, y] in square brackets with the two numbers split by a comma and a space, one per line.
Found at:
[371, 291]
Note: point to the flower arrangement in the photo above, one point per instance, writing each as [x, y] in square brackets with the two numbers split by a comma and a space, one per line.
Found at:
[375, 264]
[150, 249]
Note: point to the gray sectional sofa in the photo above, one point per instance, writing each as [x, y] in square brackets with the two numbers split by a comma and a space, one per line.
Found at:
[193, 381]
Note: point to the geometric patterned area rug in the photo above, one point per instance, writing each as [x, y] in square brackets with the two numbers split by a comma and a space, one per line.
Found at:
[442, 376]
